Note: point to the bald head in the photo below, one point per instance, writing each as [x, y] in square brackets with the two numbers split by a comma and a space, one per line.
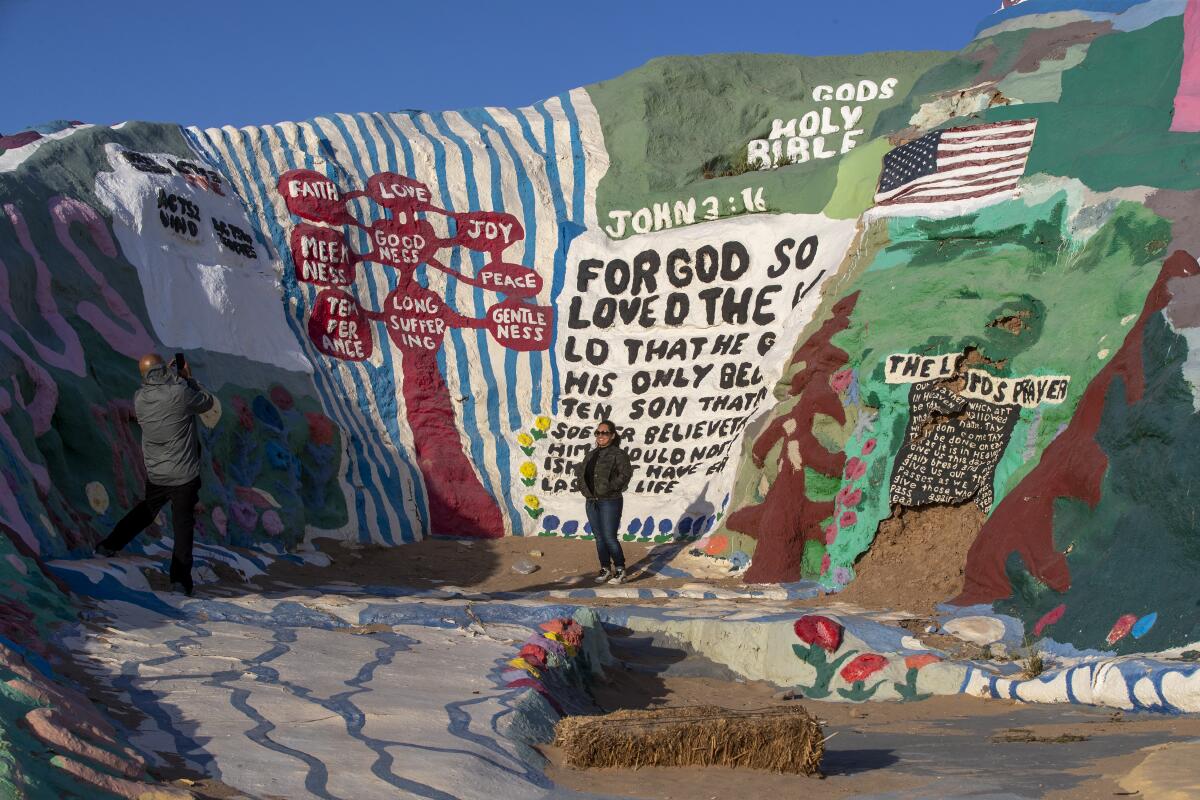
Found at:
[149, 362]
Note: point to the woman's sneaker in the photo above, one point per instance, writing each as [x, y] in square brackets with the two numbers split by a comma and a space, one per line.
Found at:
[618, 576]
[604, 575]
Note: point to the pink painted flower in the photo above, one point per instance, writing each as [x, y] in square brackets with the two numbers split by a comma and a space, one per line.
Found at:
[831, 532]
[272, 524]
[849, 497]
[281, 397]
[1121, 628]
[863, 667]
[920, 660]
[825, 564]
[819, 630]
[869, 447]
[220, 521]
[847, 519]
[320, 428]
[841, 380]
[855, 468]
[1049, 618]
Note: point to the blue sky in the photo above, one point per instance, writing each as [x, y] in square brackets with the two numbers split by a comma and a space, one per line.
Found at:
[241, 62]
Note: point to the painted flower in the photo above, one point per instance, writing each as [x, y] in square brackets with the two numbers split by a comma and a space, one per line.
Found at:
[869, 447]
[841, 576]
[281, 397]
[855, 468]
[920, 660]
[863, 667]
[715, 545]
[220, 521]
[272, 524]
[841, 380]
[211, 417]
[278, 455]
[1121, 628]
[825, 563]
[542, 424]
[847, 519]
[528, 470]
[97, 496]
[525, 440]
[819, 630]
[245, 515]
[320, 428]
[849, 497]
[831, 532]
[245, 416]
[532, 501]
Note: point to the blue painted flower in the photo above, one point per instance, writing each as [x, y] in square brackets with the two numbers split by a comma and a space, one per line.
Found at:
[634, 525]
[550, 522]
[570, 526]
[267, 413]
[279, 456]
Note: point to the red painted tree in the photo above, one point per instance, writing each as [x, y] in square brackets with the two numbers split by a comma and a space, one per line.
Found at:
[415, 318]
[786, 517]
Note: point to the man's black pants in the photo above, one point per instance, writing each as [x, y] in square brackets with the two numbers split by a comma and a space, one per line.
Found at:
[183, 511]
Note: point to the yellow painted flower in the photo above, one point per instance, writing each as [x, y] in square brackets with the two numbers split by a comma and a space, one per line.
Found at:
[524, 439]
[521, 663]
[97, 496]
[528, 470]
[532, 501]
[542, 424]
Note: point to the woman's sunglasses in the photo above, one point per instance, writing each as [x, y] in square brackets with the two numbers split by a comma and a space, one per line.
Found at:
[604, 433]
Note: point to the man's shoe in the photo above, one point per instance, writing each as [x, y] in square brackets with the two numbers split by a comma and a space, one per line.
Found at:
[604, 575]
[105, 552]
[618, 576]
[176, 586]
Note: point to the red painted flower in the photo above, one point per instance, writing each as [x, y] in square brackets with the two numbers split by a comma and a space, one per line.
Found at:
[855, 468]
[716, 545]
[320, 429]
[1050, 618]
[841, 380]
[869, 447]
[819, 630]
[1121, 628]
[245, 416]
[533, 655]
[831, 531]
[863, 667]
[825, 564]
[847, 519]
[920, 660]
[281, 397]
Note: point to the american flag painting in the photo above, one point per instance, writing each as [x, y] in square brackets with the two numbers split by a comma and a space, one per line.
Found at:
[956, 164]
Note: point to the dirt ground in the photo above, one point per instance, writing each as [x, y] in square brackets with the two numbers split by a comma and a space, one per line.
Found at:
[980, 729]
[482, 565]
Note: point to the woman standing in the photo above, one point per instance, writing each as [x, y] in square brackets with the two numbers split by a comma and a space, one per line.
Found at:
[602, 475]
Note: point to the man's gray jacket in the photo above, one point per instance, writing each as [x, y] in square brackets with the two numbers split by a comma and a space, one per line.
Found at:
[166, 408]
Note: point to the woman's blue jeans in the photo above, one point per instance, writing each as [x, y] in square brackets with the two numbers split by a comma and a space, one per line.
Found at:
[605, 518]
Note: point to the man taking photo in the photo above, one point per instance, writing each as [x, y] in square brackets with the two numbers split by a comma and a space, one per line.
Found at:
[166, 407]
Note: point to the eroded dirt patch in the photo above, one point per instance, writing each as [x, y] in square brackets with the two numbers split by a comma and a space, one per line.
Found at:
[916, 560]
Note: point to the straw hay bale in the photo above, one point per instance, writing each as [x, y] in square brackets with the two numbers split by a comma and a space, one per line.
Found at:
[774, 739]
